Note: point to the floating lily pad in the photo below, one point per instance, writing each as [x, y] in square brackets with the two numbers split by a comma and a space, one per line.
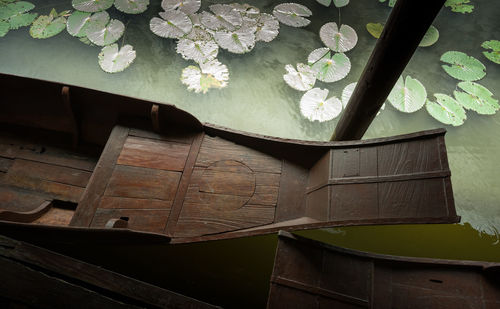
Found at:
[92, 5]
[187, 6]
[16, 14]
[462, 66]
[198, 33]
[102, 35]
[225, 17]
[408, 96]
[267, 28]
[246, 10]
[211, 74]
[446, 110]
[292, 14]
[332, 68]
[46, 26]
[340, 3]
[79, 21]
[4, 28]
[459, 6]
[132, 6]
[315, 106]
[494, 55]
[324, 2]
[375, 29]
[113, 60]
[173, 24]
[317, 54]
[338, 40]
[430, 37]
[239, 42]
[347, 93]
[302, 79]
[199, 51]
[477, 98]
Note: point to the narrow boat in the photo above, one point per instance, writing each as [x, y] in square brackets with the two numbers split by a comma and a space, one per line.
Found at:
[311, 274]
[79, 164]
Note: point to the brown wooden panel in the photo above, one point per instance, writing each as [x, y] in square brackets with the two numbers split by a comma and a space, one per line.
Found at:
[318, 204]
[291, 196]
[293, 298]
[16, 199]
[320, 172]
[145, 183]
[214, 149]
[133, 203]
[265, 195]
[147, 220]
[355, 201]
[144, 152]
[56, 216]
[354, 162]
[414, 156]
[172, 135]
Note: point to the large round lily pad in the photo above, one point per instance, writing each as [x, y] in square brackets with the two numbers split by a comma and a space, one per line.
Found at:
[302, 79]
[292, 14]
[317, 54]
[200, 51]
[92, 5]
[46, 26]
[187, 6]
[477, 98]
[267, 28]
[463, 67]
[239, 42]
[430, 37]
[132, 6]
[224, 17]
[314, 105]
[173, 24]
[211, 74]
[338, 40]
[102, 35]
[408, 96]
[494, 55]
[79, 21]
[375, 29]
[332, 68]
[16, 15]
[446, 110]
[113, 60]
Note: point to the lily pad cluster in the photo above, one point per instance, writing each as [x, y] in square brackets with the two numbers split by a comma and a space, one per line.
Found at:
[459, 6]
[233, 27]
[326, 64]
[430, 37]
[125, 6]
[46, 26]
[15, 14]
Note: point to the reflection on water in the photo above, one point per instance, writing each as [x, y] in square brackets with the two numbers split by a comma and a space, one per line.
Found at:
[258, 100]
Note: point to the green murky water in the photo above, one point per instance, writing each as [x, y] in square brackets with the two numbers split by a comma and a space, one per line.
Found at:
[258, 100]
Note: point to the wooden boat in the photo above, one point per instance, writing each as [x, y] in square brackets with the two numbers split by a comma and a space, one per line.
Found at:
[34, 277]
[162, 175]
[311, 274]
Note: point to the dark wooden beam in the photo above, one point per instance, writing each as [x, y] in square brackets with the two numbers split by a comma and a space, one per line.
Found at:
[404, 29]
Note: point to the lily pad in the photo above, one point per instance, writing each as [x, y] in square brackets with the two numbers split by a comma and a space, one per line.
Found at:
[16, 14]
[239, 42]
[324, 2]
[113, 60]
[494, 55]
[375, 29]
[459, 6]
[332, 68]
[132, 6]
[79, 21]
[477, 98]
[408, 96]
[4, 28]
[92, 5]
[315, 106]
[391, 3]
[462, 66]
[338, 40]
[430, 37]
[102, 35]
[267, 28]
[292, 14]
[46, 26]
[246, 10]
[225, 17]
[302, 79]
[200, 51]
[446, 110]
[211, 74]
[317, 54]
[187, 6]
[173, 24]
[347, 93]
[340, 3]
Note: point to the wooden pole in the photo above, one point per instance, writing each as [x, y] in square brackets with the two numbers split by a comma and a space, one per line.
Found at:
[405, 28]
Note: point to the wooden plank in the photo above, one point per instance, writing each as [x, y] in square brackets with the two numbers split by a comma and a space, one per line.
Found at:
[402, 33]
[173, 135]
[100, 177]
[143, 183]
[133, 203]
[26, 216]
[5, 164]
[56, 216]
[143, 152]
[147, 220]
[17, 199]
[184, 184]
[291, 196]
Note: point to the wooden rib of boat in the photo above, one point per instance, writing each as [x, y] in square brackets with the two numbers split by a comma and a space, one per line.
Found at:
[164, 175]
[33, 277]
[311, 274]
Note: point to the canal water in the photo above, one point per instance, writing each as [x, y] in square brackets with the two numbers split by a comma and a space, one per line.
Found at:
[258, 100]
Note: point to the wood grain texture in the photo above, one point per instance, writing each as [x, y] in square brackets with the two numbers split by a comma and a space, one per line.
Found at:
[291, 196]
[100, 177]
[150, 153]
[5, 164]
[173, 135]
[133, 203]
[147, 220]
[56, 216]
[143, 183]
[17, 199]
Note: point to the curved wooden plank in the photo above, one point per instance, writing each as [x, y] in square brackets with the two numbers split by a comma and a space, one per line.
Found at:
[27, 216]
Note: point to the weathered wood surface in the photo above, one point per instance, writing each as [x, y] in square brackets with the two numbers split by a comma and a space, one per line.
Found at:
[402, 33]
[44, 279]
[310, 274]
